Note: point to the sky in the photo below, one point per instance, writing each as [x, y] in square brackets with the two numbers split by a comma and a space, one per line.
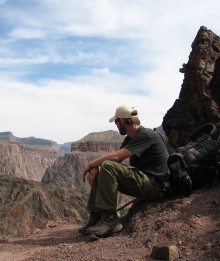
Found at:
[66, 65]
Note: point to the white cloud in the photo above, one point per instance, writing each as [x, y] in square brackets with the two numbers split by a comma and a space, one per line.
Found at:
[28, 33]
[101, 70]
[114, 52]
[21, 61]
[66, 111]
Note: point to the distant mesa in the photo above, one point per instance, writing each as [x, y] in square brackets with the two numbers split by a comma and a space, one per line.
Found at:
[99, 141]
[32, 141]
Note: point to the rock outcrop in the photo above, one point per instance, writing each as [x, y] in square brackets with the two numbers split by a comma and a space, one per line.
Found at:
[199, 98]
[26, 206]
[25, 162]
[32, 141]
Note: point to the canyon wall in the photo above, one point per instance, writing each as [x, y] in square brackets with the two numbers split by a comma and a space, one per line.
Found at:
[25, 162]
[67, 171]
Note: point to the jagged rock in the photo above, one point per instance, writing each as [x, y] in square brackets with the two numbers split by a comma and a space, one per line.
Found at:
[25, 162]
[25, 206]
[199, 98]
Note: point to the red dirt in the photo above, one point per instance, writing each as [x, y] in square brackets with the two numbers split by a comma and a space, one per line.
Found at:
[192, 224]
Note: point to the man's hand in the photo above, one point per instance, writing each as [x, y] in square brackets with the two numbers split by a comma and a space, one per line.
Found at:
[92, 175]
[92, 172]
[85, 171]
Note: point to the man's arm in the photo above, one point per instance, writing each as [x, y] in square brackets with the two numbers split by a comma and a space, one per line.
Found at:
[117, 156]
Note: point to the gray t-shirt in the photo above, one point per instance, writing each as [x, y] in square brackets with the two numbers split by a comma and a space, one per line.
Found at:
[150, 154]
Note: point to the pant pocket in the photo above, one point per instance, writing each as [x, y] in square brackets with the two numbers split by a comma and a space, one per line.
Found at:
[151, 189]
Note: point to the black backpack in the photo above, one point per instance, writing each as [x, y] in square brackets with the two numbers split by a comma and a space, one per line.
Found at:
[197, 163]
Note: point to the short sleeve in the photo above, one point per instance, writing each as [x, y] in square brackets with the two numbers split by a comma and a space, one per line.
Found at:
[138, 144]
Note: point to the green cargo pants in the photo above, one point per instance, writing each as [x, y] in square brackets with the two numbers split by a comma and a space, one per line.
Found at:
[114, 177]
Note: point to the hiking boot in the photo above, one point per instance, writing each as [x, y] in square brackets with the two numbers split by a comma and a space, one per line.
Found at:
[93, 220]
[109, 224]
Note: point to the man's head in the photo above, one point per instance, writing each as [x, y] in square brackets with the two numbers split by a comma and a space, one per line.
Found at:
[125, 115]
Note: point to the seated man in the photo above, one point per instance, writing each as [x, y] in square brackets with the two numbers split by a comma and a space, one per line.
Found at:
[146, 177]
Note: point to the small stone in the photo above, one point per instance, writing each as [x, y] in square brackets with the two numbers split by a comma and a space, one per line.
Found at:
[168, 253]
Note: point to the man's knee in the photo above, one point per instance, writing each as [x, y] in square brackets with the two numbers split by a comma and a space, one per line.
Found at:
[109, 167]
[109, 164]
[106, 163]
[108, 170]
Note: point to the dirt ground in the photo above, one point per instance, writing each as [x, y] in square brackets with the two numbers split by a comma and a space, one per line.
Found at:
[191, 224]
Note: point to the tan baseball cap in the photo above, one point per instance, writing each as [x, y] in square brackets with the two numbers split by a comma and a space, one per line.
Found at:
[124, 111]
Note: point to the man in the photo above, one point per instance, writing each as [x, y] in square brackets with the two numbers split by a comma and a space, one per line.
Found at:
[146, 177]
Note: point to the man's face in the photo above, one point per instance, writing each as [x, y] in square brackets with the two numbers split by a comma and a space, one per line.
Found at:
[121, 126]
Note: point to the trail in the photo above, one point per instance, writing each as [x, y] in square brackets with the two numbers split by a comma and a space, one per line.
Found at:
[61, 241]
[192, 224]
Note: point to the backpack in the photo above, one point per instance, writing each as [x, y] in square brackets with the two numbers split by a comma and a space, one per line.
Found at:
[197, 163]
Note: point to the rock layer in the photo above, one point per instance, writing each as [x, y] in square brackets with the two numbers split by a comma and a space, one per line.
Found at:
[95, 146]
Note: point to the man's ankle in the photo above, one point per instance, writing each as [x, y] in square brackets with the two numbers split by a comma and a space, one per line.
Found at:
[94, 218]
[108, 213]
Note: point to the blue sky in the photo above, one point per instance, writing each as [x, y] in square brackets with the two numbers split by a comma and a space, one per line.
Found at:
[66, 65]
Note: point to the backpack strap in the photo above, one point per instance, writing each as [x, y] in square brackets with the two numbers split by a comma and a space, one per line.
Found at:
[205, 129]
[180, 181]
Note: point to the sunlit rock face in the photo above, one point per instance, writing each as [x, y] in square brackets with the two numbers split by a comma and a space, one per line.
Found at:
[199, 97]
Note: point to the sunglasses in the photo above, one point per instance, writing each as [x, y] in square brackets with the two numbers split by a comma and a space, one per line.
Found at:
[116, 121]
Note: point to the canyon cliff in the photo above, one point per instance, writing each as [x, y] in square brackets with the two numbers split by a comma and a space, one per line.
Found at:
[25, 162]
[199, 97]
